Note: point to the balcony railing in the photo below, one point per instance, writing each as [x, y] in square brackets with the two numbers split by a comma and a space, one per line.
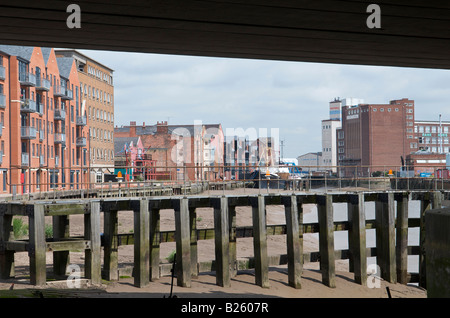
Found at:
[42, 84]
[25, 159]
[2, 73]
[27, 132]
[2, 101]
[59, 91]
[81, 141]
[60, 138]
[27, 79]
[60, 114]
[27, 106]
[68, 94]
[81, 120]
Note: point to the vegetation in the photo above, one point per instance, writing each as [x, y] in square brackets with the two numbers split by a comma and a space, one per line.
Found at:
[19, 228]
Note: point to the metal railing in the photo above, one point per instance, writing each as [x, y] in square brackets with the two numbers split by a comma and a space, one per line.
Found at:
[182, 179]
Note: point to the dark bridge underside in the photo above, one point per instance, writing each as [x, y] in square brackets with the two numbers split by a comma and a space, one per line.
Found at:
[414, 33]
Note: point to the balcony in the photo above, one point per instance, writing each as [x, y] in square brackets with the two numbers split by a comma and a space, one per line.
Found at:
[27, 79]
[1, 129]
[81, 141]
[68, 95]
[56, 161]
[40, 109]
[25, 159]
[1, 157]
[41, 161]
[42, 84]
[60, 114]
[2, 73]
[60, 138]
[2, 101]
[81, 121]
[59, 91]
[41, 135]
[27, 132]
[27, 106]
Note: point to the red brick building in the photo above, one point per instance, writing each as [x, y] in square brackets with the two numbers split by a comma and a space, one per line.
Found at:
[43, 144]
[375, 137]
[181, 151]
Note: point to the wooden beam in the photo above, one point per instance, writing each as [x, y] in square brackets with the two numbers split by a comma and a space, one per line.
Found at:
[260, 241]
[326, 239]
[222, 240]
[37, 246]
[142, 245]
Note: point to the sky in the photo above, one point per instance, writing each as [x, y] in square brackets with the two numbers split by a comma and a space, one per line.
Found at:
[286, 98]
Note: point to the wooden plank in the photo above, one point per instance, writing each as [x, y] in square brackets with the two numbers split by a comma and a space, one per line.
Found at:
[183, 250]
[61, 230]
[402, 238]
[385, 236]
[111, 244]
[37, 246]
[222, 239]
[66, 209]
[67, 246]
[326, 239]
[294, 241]
[260, 241]
[193, 243]
[141, 244]
[232, 240]
[425, 205]
[92, 233]
[357, 237]
[155, 241]
[6, 254]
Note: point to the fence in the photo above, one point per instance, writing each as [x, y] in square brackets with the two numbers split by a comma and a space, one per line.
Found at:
[391, 224]
[269, 179]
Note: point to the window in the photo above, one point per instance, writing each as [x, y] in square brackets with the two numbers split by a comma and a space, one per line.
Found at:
[433, 129]
[374, 109]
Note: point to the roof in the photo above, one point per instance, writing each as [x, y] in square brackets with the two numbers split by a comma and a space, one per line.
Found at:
[46, 53]
[119, 143]
[183, 130]
[23, 52]
[64, 66]
[75, 53]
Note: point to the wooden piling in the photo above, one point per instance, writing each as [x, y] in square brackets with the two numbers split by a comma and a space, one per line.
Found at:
[232, 240]
[385, 236]
[294, 236]
[326, 239]
[92, 233]
[141, 244]
[357, 237]
[155, 241]
[111, 245]
[182, 237]
[221, 241]
[402, 238]
[260, 241]
[193, 243]
[430, 200]
[61, 230]
[36, 250]
[6, 257]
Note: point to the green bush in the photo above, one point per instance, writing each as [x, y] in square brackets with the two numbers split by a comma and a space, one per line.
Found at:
[19, 228]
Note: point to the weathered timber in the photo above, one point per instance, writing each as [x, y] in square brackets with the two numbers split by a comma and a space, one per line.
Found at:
[222, 240]
[111, 244]
[37, 246]
[260, 241]
[294, 241]
[182, 234]
[141, 244]
[92, 233]
[326, 239]
[357, 237]
[402, 239]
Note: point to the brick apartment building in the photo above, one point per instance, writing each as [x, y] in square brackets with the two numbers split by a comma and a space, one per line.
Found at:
[97, 98]
[197, 147]
[43, 145]
[375, 137]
